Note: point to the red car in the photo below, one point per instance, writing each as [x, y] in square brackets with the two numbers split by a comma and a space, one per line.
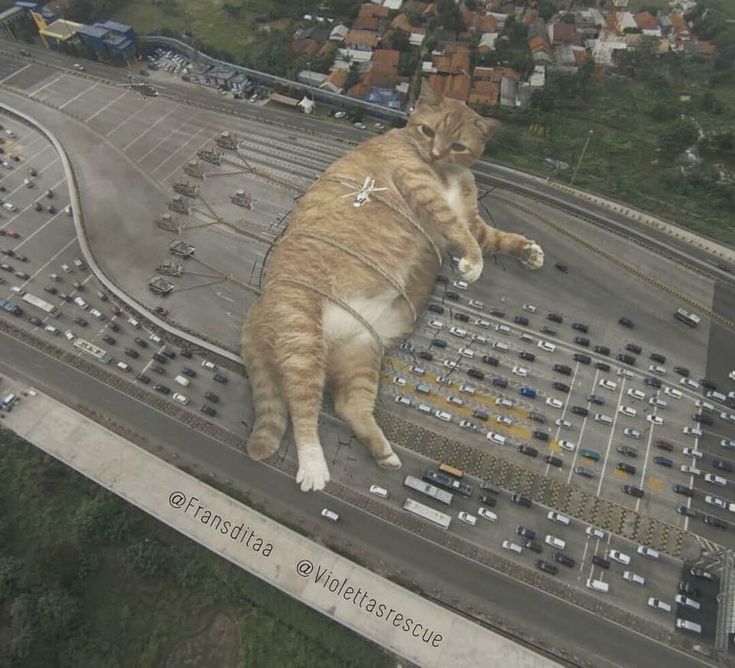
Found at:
[12, 233]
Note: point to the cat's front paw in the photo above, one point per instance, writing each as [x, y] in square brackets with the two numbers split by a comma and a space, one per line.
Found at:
[313, 473]
[470, 271]
[532, 256]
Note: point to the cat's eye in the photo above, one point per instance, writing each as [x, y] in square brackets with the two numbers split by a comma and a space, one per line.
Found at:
[427, 131]
[458, 147]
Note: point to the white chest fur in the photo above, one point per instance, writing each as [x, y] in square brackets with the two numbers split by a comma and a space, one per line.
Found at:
[381, 312]
[453, 195]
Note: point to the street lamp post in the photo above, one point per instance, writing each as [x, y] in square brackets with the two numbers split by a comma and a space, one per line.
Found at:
[581, 155]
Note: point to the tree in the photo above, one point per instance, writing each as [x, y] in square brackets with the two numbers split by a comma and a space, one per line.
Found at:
[399, 40]
[678, 136]
[147, 559]
[449, 16]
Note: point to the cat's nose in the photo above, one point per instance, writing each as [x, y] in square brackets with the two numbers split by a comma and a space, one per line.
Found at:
[435, 155]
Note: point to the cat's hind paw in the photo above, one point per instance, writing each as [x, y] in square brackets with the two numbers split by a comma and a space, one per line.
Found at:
[470, 271]
[313, 473]
[532, 256]
[389, 462]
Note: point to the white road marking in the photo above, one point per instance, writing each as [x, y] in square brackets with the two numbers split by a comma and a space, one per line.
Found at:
[609, 441]
[50, 83]
[76, 97]
[12, 74]
[165, 160]
[125, 120]
[149, 128]
[109, 104]
[170, 134]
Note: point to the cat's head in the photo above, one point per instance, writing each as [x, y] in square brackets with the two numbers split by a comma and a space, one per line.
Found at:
[448, 131]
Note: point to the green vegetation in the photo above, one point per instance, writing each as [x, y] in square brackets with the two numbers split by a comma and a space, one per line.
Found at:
[86, 580]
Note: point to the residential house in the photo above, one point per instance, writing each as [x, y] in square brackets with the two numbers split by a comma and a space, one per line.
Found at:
[452, 77]
[339, 32]
[540, 50]
[392, 5]
[564, 55]
[680, 27]
[562, 33]
[648, 23]
[335, 82]
[477, 22]
[359, 45]
[487, 42]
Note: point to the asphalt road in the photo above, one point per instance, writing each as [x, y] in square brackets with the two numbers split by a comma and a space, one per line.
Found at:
[557, 620]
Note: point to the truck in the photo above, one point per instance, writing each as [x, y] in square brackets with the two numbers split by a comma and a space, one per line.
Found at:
[39, 303]
[8, 306]
[429, 490]
[426, 513]
[448, 482]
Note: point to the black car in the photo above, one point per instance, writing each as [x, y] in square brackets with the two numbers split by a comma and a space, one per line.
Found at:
[560, 266]
[453, 296]
[113, 326]
[65, 297]
[663, 461]
[580, 410]
[497, 312]
[540, 435]
[141, 342]
[582, 358]
[633, 348]
[186, 353]
[722, 465]
[52, 210]
[528, 450]
[521, 320]
[626, 359]
[489, 487]
[682, 371]
[627, 451]
[533, 545]
[581, 341]
[537, 417]
[38, 206]
[425, 355]
[188, 372]
[520, 500]
[81, 322]
[553, 460]
[602, 350]
[169, 353]
[706, 383]
[441, 278]
[500, 382]
[480, 415]
[702, 418]
[489, 359]
[688, 512]
[35, 321]
[8, 251]
[525, 532]
[562, 387]
[159, 358]
[594, 399]
[546, 567]
[563, 559]
[626, 468]
[108, 339]
[683, 490]
[602, 366]
[51, 289]
[548, 330]
[439, 343]
[435, 308]
[462, 317]
[555, 317]
[158, 387]
[626, 322]
[157, 368]
[652, 382]
[208, 410]
[663, 445]
[689, 589]
[143, 378]
[656, 357]
[631, 490]
[600, 561]
[220, 378]
[530, 357]
[211, 396]
[131, 352]
[475, 373]
[563, 369]
[714, 522]
[489, 501]
[580, 327]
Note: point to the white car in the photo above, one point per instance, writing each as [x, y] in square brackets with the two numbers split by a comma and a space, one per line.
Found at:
[567, 445]
[457, 401]
[660, 403]
[487, 514]
[648, 552]
[624, 373]
[436, 324]
[630, 576]
[504, 419]
[554, 516]
[728, 417]
[620, 557]
[653, 368]
[688, 382]
[691, 470]
[467, 389]
[424, 408]
[205, 363]
[530, 308]
[450, 364]
[654, 419]
[360, 126]
[564, 424]
[715, 479]
[673, 392]
[558, 543]
[330, 515]
[728, 443]
[379, 491]
[512, 547]
[692, 452]
[505, 403]
[467, 518]
[182, 399]
[483, 323]
[458, 331]
[548, 347]
[443, 380]
[520, 371]
[443, 416]
[79, 67]
[467, 352]
[461, 285]
[419, 371]
[495, 438]
[479, 338]
[476, 303]
[594, 532]
[554, 403]
[636, 394]
[659, 604]
[69, 335]
[399, 380]
[627, 410]
[608, 384]
[403, 400]
[502, 329]
[632, 433]
[715, 501]
[502, 347]
[692, 431]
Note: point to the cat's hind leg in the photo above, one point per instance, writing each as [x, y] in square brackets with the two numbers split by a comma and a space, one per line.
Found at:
[355, 374]
[491, 240]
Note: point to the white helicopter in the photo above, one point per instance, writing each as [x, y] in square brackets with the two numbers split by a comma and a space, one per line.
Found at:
[362, 196]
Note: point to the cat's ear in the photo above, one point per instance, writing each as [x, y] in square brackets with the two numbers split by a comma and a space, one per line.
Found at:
[428, 95]
[489, 126]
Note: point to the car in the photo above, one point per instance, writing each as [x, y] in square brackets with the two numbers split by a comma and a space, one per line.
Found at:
[722, 465]
[632, 433]
[511, 546]
[602, 350]
[480, 415]
[434, 324]
[504, 419]
[561, 387]
[554, 541]
[658, 604]
[475, 373]
[595, 399]
[545, 329]
[656, 401]
[648, 552]
[35, 321]
[728, 443]
[520, 371]
[340, 114]
[330, 515]
[536, 416]
[681, 371]
[529, 307]
[688, 382]
[599, 560]
[500, 382]
[655, 419]
[618, 556]
[425, 355]
[38, 206]
[584, 471]
[715, 501]
[525, 532]
[527, 392]
[553, 460]
[683, 490]
[554, 403]
[51, 289]
[79, 67]
[608, 384]
[555, 317]
[81, 322]
[714, 521]
[159, 387]
[564, 424]
[520, 500]
[554, 516]
[546, 567]
[20, 258]
[628, 410]
[580, 327]
[654, 368]
[626, 322]
[489, 515]
[686, 511]
[533, 545]
[51, 210]
[702, 418]
[582, 359]
[441, 415]
[109, 339]
[715, 479]
[499, 345]
[559, 266]
[728, 417]
[435, 308]
[602, 366]
[113, 326]
[131, 352]
[707, 384]
[540, 435]
[634, 578]
[626, 468]
[438, 343]
[141, 342]
[182, 399]
[567, 445]
[521, 320]
[466, 424]
[681, 599]
[467, 518]
[663, 445]
[527, 450]
[462, 317]
[692, 452]
[673, 392]
[562, 369]
[633, 348]
[22, 275]
[548, 347]
[631, 490]
[220, 378]
[626, 359]
[360, 126]
[490, 360]
[627, 451]
[594, 532]
[458, 332]
[701, 573]
[495, 438]
[582, 341]
[529, 357]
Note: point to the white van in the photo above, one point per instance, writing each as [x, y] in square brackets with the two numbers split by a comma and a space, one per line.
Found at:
[604, 419]
[598, 585]
[558, 518]
[123, 366]
[686, 625]
[182, 380]
[513, 547]
[717, 396]
[692, 431]
[704, 405]
[630, 576]
[9, 401]
[690, 602]
[648, 552]
[209, 365]
[558, 543]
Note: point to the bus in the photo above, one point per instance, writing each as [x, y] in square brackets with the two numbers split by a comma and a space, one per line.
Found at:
[450, 470]
[452, 484]
[92, 350]
[39, 303]
[687, 318]
[425, 513]
[427, 489]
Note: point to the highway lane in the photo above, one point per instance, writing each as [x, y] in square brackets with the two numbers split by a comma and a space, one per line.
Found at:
[558, 622]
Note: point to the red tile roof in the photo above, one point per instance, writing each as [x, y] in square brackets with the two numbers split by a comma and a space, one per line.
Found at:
[370, 10]
[484, 92]
[456, 86]
[384, 69]
[307, 46]
[337, 78]
[365, 23]
[564, 33]
[645, 20]
[361, 38]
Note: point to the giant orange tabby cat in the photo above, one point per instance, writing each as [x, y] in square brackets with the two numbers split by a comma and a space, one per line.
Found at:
[296, 340]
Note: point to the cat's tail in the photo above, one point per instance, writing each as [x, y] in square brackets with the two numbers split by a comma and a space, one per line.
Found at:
[270, 410]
